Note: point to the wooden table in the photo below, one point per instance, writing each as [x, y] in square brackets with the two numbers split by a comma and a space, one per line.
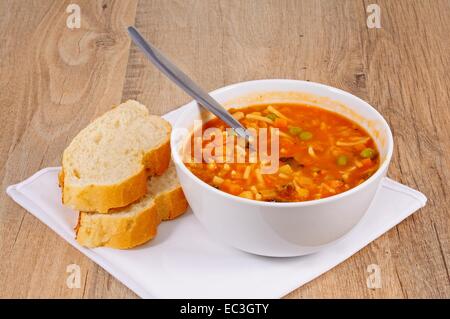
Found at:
[55, 80]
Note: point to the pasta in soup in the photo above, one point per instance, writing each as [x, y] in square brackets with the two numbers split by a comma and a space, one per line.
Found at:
[320, 154]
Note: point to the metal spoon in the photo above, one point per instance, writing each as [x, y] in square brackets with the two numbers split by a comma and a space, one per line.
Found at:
[184, 82]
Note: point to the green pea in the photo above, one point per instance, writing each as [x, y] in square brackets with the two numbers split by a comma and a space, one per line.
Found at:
[271, 116]
[342, 160]
[367, 153]
[305, 136]
[294, 130]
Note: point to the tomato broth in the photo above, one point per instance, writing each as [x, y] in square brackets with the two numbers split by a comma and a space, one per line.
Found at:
[321, 153]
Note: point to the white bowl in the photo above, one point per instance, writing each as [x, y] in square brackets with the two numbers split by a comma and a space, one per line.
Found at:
[282, 229]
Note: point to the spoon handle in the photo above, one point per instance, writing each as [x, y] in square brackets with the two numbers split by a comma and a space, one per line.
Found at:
[184, 82]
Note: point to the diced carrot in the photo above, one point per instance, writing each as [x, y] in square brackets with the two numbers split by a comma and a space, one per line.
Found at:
[231, 188]
[287, 148]
[304, 159]
[335, 183]
[359, 147]
[367, 162]
[280, 123]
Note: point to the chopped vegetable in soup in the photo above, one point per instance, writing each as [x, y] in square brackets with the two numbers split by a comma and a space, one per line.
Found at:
[321, 154]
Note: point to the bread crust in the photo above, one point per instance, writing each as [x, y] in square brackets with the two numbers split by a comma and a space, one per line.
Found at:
[172, 204]
[157, 161]
[102, 198]
[129, 230]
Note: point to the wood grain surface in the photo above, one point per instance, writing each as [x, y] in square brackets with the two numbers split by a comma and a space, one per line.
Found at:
[53, 81]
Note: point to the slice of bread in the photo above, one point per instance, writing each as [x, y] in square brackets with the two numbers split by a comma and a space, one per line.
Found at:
[107, 164]
[137, 223]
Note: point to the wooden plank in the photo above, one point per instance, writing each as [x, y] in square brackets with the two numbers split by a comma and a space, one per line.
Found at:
[54, 81]
[410, 83]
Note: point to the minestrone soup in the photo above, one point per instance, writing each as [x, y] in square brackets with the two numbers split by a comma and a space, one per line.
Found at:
[321, 153]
